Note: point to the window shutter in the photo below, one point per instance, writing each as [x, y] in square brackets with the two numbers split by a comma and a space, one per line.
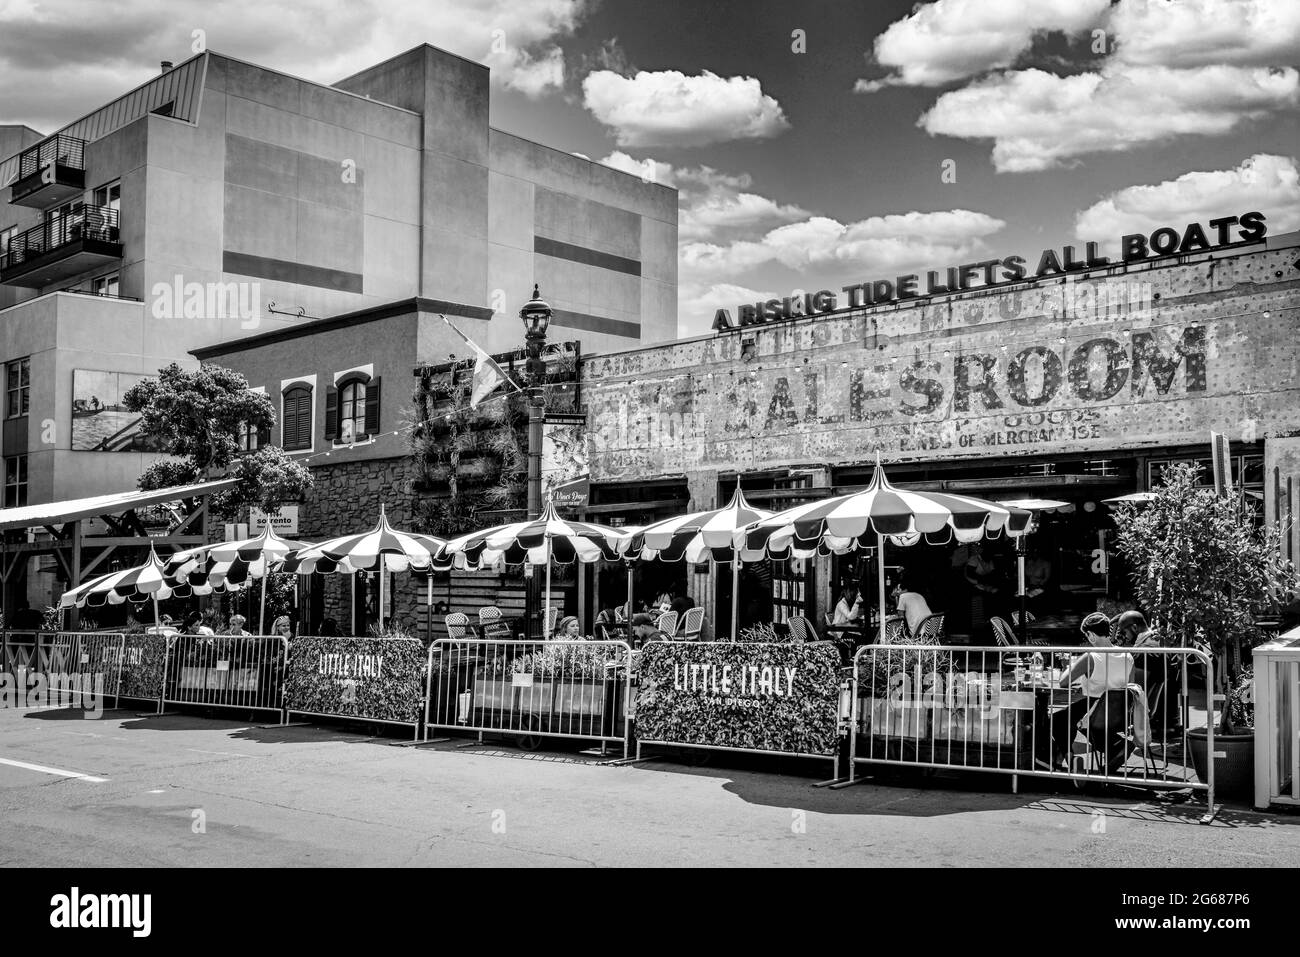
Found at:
[372, 407]
[304, 418]
[331, 412]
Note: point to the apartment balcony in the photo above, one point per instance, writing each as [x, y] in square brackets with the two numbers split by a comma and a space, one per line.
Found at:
[87, 237]
[50, 173]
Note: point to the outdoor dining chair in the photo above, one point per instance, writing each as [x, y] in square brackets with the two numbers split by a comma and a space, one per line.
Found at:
[552, 616]
[930, 631]
[801, 628]
[1002, 632]
[667, 623]
[1015, 617]
[1093, 760]
[491, 624]
[692, 624]
[457, 625]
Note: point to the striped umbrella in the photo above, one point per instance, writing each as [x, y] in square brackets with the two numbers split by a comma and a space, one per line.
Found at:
[234, 562]
[138, 584]
[868, 517]
[383, 548]
[540, 541]
[698, 537]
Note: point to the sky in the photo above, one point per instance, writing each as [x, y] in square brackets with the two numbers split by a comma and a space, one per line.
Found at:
[814, 144]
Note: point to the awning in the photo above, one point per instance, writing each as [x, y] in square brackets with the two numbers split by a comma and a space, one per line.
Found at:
[56, 513]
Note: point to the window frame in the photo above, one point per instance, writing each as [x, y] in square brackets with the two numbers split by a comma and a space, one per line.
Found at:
[23, 389]
[17, 483]
[305, 384]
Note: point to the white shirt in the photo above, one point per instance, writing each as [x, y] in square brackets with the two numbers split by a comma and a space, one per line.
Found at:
[844, 614]
[913, 607]
[1107, 671]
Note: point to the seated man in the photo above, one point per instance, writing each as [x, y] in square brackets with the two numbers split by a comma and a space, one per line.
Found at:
[1152, 673]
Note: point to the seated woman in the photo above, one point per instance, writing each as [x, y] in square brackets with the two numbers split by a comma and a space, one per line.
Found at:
[1102, 678]
[608, 624]
[911, 603]
[849, 608]
[568, 629]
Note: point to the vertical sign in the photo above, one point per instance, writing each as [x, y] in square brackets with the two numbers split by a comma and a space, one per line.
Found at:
[1222, 464]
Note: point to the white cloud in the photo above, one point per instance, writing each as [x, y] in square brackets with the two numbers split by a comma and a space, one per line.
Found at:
[533, 76]
[951, 40]
[711, 203]
[697, 304]
[1202, 32]
[1038, 120]
[1264, 182]
[98, 50]
[879, 244]
[669, 108]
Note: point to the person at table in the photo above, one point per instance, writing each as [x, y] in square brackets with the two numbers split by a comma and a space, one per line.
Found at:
[282, 627]
[568, 629]
[195, 625]
[849, 608]
[982, 577]
[642, 628]
[607, 622]
[911, 603]
[236, 629]
[665, 601]
[1101, 707]
[1038, 574]
[1151, 672]
[681, 604]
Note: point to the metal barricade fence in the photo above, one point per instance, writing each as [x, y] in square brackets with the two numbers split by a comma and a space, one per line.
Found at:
[19, 651]
[144, 661]
[226, 671]
[563, 689]
[97, 654]
[1115, 715]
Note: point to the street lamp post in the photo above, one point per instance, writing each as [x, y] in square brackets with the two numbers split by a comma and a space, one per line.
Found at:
[536, 317]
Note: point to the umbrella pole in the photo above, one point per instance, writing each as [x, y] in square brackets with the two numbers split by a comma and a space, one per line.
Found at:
[157, 623]
[546, 615]
[428, 607]
[880, 581]
[630, 568]
[381, 592]
[1020, 577]
[735, 595]
[261, 614]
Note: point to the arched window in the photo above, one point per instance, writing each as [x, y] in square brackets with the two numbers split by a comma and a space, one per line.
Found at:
[295, 418]
[352, 410]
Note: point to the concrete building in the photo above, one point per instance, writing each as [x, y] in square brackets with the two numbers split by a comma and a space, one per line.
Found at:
[223, 200]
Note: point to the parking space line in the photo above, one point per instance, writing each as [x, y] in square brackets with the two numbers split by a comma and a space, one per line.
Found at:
[61, 773]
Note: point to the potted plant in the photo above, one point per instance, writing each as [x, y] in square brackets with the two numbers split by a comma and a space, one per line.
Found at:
[1206, 573]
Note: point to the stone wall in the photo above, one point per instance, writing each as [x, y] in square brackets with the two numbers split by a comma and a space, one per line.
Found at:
[346, 499]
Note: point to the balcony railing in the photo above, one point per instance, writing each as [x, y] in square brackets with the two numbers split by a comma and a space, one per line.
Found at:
[62, 246]
[51, 172]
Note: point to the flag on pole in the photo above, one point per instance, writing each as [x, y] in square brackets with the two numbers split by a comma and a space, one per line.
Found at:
[488, 376]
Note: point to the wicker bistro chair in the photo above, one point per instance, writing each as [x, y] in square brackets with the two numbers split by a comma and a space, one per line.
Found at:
[667, 623]
[930, 631]
[491, 624]
[1106, 750]
[552, 616]
[1002, 632]
[1015, 618]
[801, 628]
[457, 625]
[692, 624]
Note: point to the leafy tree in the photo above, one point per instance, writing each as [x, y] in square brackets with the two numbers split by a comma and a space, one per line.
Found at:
[1202, 569]
[198, 416]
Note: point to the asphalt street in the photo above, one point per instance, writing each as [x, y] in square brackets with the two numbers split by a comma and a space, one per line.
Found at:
[189, 790]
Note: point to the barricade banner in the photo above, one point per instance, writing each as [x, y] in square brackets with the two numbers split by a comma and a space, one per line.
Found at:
[378, 679]
[751, 696]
